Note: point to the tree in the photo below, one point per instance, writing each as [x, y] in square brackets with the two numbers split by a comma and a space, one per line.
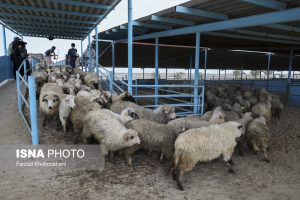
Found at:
[236, 74]
[254, 73]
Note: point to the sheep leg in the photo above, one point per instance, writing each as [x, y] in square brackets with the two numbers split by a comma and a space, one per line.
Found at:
[255, 148]
[57, 123]
[179, 179]
[230, 169]
[266, 155]
[231, 162]
[171, 169]
[161, 158]
[64, 123]
[129, 160]
[44, 119]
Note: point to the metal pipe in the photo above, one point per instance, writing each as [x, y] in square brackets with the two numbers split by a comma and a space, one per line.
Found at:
[113, 57]
[97, 49]
[205, 65]
[19, 91]
[166, 73]
[33, 111]
[225, 75]
[197, 60]
[219, 74]
[269, 63]
[4, 40]
[90, 53]
[81, 47]
[156, 69]
[130, 36]
[143, 73]
[290, 65]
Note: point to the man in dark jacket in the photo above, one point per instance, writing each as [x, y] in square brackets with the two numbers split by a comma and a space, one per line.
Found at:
[72, 55]
[15, 51]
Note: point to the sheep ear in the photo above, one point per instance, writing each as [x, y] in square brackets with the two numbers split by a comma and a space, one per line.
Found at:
[56, 97]
[240, 126]
[44, 97]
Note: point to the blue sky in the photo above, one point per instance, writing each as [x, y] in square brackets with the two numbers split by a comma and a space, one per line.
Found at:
[118, 16]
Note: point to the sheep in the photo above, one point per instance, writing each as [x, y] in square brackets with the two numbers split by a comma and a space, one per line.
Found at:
[204, 144]
[83, 106]
[69, 88]
[108, 131]
[163, 114]
[154, 136]
[276, 107]
[245, 120]
[49, 100]
[258, 136]
[217, 117]
[262, 109]
[206, 116]
[84, 88]
[40, 79]
[91, 80]
[65, 107]
[126, 115]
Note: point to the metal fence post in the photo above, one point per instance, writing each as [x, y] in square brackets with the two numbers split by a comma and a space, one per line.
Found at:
[130, 38]
[136, 89]
[197, 60]
[156, 69]
[4, 40]
[269, 63]
[33, 110]
[19, 91]
[110, 77]
[97, 50]
[25, 71]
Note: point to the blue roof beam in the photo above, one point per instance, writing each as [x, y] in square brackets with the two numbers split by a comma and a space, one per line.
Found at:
[139, 29]
[283, 27]
[82, 4]
[50, 32]
[31, 23]
[48, 29]
[152, 26]
[48, 10]
[274, 4]
[22, 16]
[262, 34]
[283, 16]
[56, 37]
[200, 13]
[172, 20]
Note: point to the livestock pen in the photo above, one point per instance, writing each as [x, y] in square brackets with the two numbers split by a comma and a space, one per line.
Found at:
[200, 37]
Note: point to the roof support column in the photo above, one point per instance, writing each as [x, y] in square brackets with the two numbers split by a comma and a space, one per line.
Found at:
[130, 46]
[219, 74]
[156, 69]
[4, 40]
[90, 53]
[113, 58]
[269, 63]
[81, 47]
[290, 66]
[97, 49]
[205, 65]
[166, 73]
[197, 60]
[191, 63]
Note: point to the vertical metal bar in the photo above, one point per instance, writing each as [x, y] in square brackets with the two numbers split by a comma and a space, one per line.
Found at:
[219, 74]
[130, 46]
[205, 65]
[191, 63]
[260, 74]
[143, 73]
[166, 73]
[33, 111]
[113, 58]
[97, 49]
[290, 66]
[110, 76]
[242, 68]
[269, 63]
[4, 40]
[225, 75]
[81, 47]
[156, 69]
[136, 89]
[90, 53]
[197, 60]
[25, 70]
[19, 91]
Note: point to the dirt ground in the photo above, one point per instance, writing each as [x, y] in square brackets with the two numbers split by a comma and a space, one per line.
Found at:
[254, 178]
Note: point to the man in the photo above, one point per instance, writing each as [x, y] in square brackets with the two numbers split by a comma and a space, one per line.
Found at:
[72, 55]
[49, 53]
[15, 51]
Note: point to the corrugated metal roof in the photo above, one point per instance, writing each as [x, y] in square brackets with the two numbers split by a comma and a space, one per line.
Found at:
[233, 9]
[54, 18]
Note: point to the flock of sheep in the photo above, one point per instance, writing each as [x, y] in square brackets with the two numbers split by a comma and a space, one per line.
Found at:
[236, 116]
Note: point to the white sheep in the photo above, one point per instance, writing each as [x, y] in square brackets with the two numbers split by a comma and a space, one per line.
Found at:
[50, 97]
[91, 80]
[163, 114]
[108, 130]
[65, 107]
[204, 144]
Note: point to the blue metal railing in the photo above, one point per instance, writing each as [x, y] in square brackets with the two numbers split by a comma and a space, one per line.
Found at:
[29, 84]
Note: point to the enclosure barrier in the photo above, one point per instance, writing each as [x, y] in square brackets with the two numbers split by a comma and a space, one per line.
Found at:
[29, 87]
[293, 98]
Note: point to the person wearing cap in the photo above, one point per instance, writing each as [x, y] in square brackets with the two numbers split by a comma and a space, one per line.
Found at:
[49, 53]
[72, 55]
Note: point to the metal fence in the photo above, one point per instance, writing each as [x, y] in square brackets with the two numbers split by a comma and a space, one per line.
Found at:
[26, 87]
